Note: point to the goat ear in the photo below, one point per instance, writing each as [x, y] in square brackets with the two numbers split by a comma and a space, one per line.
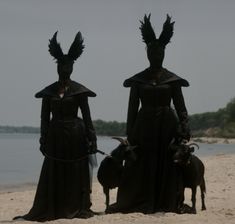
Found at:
[127, 142]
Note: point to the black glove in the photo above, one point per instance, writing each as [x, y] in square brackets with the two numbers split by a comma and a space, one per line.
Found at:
[92, 147]
[184, 132]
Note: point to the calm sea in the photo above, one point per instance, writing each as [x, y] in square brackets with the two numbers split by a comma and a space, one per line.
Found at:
[21, 161]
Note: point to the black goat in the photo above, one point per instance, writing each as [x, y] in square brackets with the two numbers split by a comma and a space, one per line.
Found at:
[192, 172]
[111, 168]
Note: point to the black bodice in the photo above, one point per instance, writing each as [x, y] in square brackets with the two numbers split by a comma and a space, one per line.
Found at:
[64, 108]
[153, 95]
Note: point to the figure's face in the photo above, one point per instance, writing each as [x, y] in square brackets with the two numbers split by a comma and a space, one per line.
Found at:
[155, 54]
[65, 68]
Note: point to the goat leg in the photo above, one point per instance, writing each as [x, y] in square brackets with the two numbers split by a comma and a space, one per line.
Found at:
[106, 192]
[203, 191]
[194, 191]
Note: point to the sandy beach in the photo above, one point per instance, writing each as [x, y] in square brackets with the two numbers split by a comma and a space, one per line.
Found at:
[220, 200]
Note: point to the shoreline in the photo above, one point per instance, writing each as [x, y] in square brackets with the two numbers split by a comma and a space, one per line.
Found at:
[209, 140]
[10, 188]
[25, 186]
[213, 140]
[31, 186]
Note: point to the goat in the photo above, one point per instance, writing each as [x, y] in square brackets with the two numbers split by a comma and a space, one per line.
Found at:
[111, 167]
[192, 172]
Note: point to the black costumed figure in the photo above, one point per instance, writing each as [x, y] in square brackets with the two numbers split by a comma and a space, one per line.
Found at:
[64, 186]
[153, 183]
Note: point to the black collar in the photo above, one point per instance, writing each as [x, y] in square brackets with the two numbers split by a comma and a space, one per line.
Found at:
[74, 89]
[166, 77]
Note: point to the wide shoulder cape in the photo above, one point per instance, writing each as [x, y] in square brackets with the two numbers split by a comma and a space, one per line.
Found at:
[166, 77]
[74, 89]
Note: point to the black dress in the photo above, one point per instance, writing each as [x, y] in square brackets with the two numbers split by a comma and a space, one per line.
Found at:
[152, 183]
[64, 187]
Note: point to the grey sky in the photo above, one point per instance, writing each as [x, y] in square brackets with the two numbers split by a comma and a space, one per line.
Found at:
[202, 51]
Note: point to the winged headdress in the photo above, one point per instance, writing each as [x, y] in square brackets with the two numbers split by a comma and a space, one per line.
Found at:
[74, 52]
[148, 34]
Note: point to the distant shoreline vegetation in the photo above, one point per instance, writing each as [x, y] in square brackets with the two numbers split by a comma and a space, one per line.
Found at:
[21, 129]
[220, 124]
[103, 128]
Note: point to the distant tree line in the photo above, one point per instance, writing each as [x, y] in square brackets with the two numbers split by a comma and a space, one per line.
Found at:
[108, 128]
[215, 124]
[210, 124]
[14, 129]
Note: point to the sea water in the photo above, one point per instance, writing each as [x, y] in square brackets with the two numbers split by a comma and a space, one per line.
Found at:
[21, 160]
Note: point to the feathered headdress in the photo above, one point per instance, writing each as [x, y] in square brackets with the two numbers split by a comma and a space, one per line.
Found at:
[148, 33]
[74, 52]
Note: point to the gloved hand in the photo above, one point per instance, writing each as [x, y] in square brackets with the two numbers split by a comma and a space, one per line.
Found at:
[184, 132]
[92, 147]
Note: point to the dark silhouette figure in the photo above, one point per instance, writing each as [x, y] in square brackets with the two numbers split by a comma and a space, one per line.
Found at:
[153, 183]
[64, 186]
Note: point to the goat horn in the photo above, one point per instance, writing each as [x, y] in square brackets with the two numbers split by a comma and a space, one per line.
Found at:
[194, 145]
[123, 141]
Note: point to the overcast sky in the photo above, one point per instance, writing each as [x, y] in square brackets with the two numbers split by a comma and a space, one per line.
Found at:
[202, 51]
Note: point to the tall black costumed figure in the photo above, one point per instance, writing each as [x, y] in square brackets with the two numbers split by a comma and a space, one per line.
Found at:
[153, 183]
[64, 186]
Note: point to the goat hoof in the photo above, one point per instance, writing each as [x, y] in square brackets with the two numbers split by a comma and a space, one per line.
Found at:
[194, 211]
[186, 209]
[111, 209]
[86, 214]
[19, 218]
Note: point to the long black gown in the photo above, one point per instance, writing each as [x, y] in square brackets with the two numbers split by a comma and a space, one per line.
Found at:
[152, 183]
[64, 188]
